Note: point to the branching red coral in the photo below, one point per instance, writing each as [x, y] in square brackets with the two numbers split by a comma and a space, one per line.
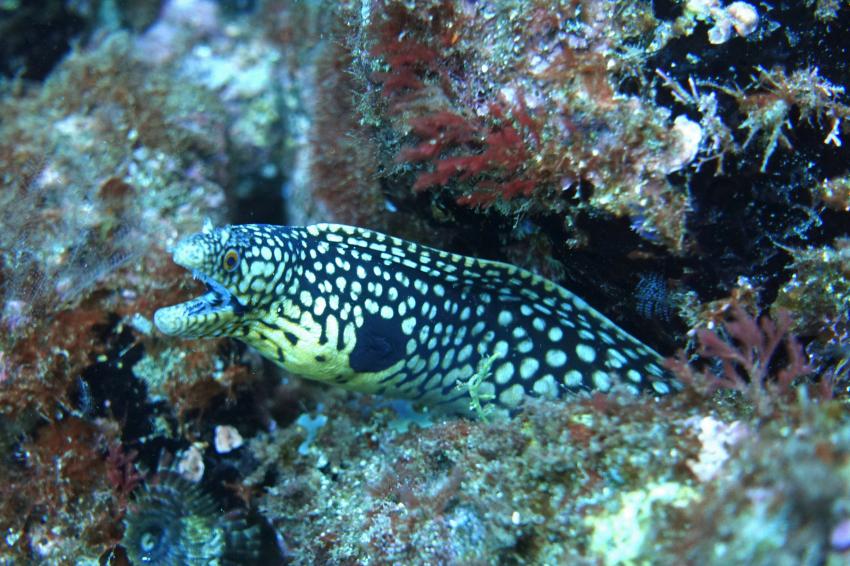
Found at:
[408, 57]
[121, 472]
[439, 131]
[748, 358]
[502, 160]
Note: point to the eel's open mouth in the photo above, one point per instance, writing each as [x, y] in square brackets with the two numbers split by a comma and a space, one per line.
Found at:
[202, 316]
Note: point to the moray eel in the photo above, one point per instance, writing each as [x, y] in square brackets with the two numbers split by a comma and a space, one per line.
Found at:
[377, 314]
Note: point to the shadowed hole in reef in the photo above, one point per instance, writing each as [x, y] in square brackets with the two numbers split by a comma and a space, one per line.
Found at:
[258, 199]
[35, 36]
[108, 388]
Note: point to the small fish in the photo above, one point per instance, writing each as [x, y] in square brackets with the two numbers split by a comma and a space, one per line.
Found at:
[373, 313]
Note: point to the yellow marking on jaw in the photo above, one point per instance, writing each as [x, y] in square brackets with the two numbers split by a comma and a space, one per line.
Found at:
[300, 359]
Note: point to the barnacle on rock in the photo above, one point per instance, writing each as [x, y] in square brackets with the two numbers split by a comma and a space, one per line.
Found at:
[174, 523]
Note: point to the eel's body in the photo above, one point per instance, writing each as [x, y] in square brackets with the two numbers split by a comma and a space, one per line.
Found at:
[378, 314]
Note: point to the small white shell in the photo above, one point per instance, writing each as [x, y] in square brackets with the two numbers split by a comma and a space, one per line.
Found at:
[687, 137]
[227, 439]
[190, 464]
[721, 31]
[745, 18]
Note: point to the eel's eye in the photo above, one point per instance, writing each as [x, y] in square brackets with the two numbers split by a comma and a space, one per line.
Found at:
[230, 260]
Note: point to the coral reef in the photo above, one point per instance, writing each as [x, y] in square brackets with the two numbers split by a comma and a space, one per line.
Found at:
[534, 115]
[761, 516]
[683, 166]
[595, 481]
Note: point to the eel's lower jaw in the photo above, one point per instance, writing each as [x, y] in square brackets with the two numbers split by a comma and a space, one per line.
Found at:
[193, 318]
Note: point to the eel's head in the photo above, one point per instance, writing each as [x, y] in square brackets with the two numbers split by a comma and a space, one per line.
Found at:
[216, 256]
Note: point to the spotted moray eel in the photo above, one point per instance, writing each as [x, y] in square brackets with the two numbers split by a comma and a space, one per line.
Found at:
[374, 313]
